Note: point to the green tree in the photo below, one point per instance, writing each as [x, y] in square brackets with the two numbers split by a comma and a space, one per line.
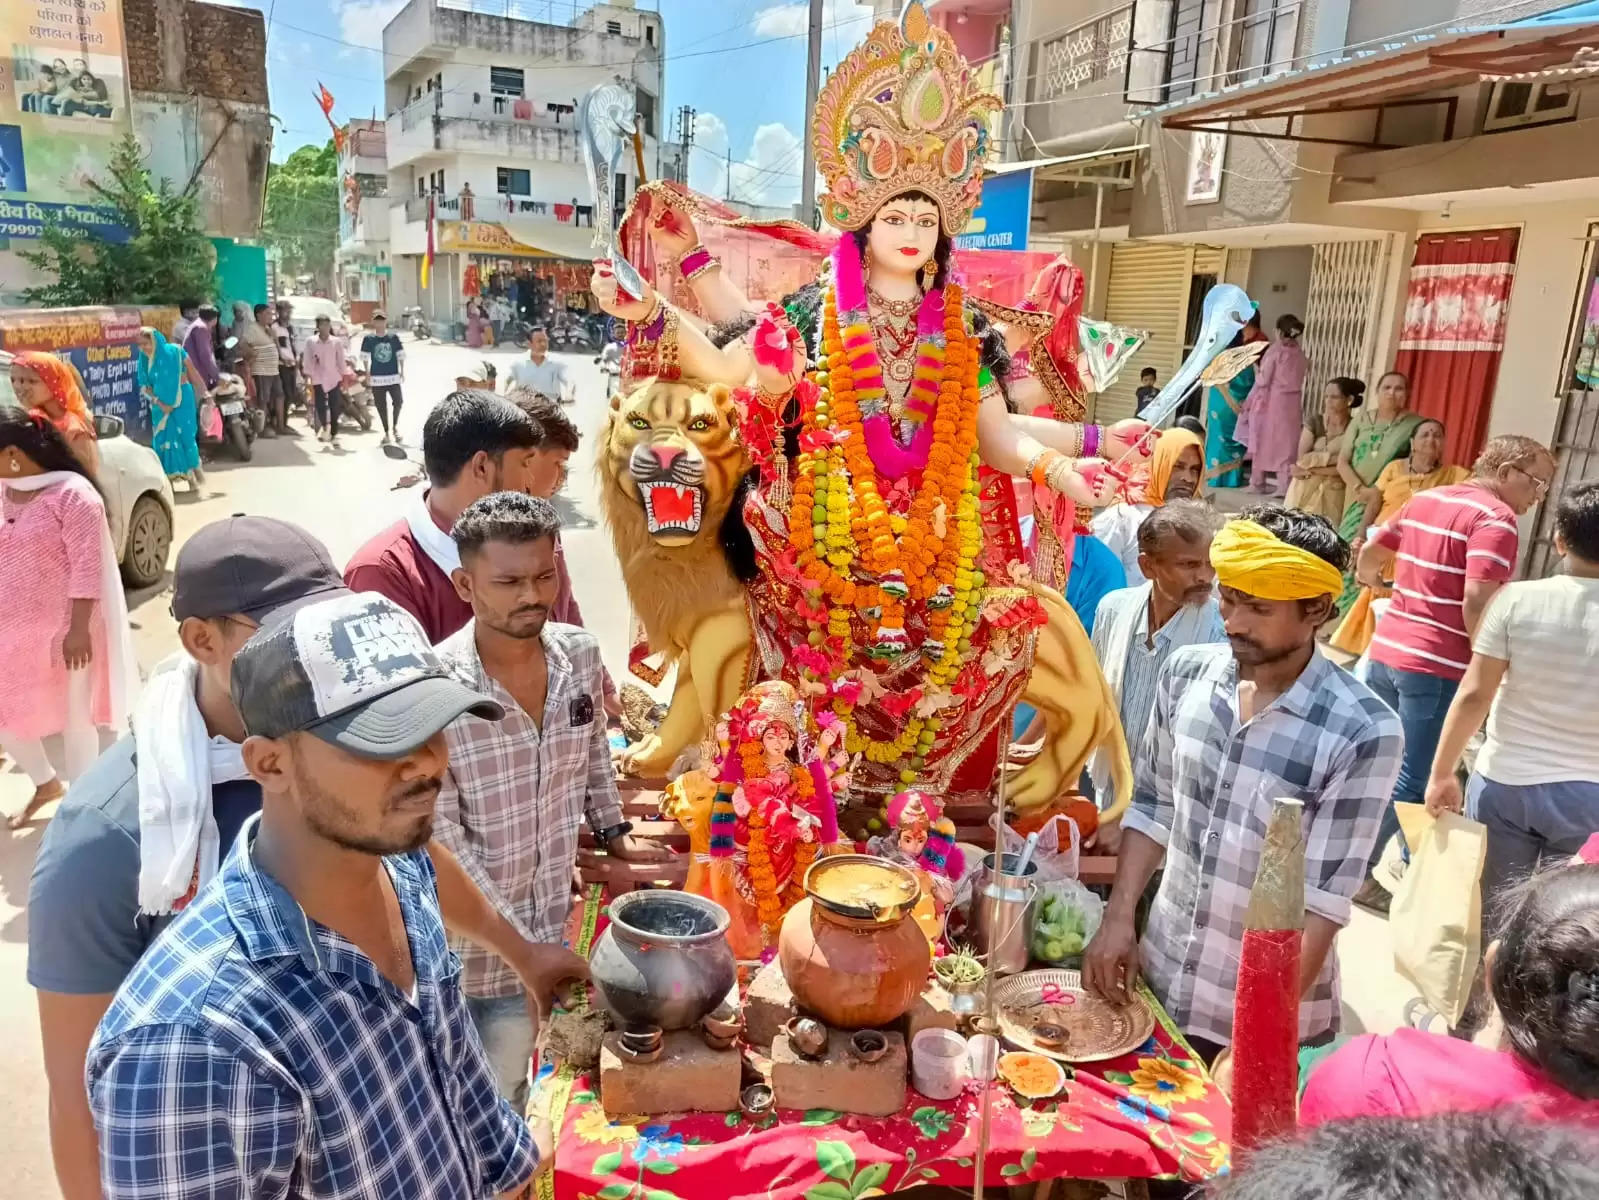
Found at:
[166, 257]
[302, 211]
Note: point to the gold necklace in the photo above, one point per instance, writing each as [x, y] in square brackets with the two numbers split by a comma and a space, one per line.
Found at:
[891, 308]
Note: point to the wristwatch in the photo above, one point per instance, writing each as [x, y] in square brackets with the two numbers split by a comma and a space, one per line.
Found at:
[611, 832]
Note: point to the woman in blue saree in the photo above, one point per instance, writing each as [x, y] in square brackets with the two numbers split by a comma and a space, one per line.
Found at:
[169, 383]
[1224, 457]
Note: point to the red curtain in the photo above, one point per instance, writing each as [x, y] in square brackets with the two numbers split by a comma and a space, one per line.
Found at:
[1454, 332]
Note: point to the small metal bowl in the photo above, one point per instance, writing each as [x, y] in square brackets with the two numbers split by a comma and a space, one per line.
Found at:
[868, 1045]
[756, 1101]
[1050, 1035]
[807, 1036]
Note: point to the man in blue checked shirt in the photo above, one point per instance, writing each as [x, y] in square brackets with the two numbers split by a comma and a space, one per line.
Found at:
[300, 1029]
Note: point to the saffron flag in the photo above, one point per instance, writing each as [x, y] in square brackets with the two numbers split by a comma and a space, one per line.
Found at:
[324, 100]
[427, 257]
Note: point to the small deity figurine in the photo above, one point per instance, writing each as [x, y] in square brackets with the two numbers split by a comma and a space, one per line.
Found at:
[922, 838]
[772, 813]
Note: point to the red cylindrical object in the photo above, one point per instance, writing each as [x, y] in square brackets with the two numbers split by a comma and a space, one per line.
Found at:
[1265, 1037]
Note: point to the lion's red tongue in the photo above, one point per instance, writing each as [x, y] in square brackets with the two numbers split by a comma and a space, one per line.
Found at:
[672, 505]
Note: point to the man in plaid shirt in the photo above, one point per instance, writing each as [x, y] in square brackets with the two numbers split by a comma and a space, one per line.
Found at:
[300, 1030]
[1234, 727]
[518, 789]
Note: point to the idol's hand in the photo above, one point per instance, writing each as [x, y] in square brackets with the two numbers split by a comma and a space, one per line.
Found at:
[613, 300]
[1131, 438]
[673, 232]
[1083, 481]
[779, 352]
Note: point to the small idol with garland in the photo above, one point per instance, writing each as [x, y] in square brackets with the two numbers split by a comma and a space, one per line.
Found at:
[775, 810]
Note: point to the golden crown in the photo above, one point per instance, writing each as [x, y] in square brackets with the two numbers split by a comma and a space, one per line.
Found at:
[776, 701]
[902, 113]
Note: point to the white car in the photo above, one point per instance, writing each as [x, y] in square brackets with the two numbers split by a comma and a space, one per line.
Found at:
[138, 498]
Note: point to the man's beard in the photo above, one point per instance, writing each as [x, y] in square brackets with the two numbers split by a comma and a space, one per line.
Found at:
[330, 818]
[523, 630]
[1255, 655]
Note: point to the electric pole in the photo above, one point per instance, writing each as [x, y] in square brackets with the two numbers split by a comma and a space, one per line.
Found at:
[813, 70]
[685, 134]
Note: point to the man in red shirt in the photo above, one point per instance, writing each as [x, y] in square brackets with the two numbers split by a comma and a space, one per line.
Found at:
[1451, 549]
[474, 443]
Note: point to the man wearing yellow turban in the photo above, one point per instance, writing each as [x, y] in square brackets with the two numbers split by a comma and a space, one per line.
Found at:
[1173, 474]
[1234, 727]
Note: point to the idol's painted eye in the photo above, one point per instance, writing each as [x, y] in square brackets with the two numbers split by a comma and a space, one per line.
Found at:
[638, 422]
[700, 424]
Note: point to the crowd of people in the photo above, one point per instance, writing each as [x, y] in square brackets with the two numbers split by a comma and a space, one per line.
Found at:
[330, 784]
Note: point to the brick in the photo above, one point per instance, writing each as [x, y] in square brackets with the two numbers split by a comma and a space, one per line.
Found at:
[839, 1080]
[688, 1070]
[768, 1005]
[930, 1010]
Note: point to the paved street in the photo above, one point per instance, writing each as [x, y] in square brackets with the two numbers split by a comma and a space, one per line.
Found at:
[345, 497]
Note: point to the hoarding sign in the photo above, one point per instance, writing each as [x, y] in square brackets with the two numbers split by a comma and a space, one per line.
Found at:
[63, 108]
[102, 343]
[1002, 216]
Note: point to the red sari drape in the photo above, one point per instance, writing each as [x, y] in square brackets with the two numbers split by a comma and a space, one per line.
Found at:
[1454, 332]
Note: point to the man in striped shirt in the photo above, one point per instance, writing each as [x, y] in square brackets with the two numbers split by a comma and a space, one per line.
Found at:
[1451, 549]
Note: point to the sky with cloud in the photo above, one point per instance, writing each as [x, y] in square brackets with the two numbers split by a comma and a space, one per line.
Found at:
[740, 64]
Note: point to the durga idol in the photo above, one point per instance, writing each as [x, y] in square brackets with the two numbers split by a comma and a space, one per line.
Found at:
[890, 588]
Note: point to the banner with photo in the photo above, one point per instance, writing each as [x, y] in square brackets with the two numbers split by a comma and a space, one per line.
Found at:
[63, 107]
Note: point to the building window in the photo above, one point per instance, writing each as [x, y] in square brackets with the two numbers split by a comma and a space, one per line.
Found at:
[514, 181]
[649, 34]
[507, 81]
[646, 113]
[1205, 50]
[614, 28]
[1514, 104]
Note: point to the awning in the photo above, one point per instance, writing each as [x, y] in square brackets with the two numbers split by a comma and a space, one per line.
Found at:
[1094, 167]
[1398, 73]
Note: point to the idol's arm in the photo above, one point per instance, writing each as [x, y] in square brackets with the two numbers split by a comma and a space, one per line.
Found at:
[680, 340]
[720, 299]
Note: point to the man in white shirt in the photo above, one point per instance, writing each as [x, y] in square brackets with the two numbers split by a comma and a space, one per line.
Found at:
[1535, 783]
[540, 373]
[1137, 629]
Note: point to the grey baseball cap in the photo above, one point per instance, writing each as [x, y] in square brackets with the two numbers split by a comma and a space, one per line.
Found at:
[355, 670]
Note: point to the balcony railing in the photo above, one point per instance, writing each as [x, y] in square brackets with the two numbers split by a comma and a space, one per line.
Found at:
[1089, 54]
[1202, 52]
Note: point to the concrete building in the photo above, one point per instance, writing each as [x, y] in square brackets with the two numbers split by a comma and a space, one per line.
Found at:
[1338, 159]
[361, 263]
[198, 77]
[482, 133]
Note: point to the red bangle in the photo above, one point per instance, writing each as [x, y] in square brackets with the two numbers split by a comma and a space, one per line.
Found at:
[696, 262]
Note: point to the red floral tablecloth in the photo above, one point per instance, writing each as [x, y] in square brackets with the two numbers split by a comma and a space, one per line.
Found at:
[825, 1155]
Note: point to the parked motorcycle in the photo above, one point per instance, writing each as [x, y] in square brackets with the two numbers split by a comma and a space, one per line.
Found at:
[417, 324]
[237, 429]
[357, 395]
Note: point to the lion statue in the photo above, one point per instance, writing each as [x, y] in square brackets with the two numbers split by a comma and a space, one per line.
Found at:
[670, 471]
[672, 478]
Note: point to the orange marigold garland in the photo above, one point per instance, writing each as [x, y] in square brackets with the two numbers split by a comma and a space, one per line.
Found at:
[772, 902]
[838, 518]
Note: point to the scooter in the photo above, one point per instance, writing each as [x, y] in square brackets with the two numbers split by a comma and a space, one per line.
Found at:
[417, 324]
[238, 430]
[357, 395]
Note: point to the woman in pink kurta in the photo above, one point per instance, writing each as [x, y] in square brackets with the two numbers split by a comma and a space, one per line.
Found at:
[1272, 416]
[65, 667]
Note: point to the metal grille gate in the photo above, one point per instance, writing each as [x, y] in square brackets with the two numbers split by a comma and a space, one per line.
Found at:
[1346, 289]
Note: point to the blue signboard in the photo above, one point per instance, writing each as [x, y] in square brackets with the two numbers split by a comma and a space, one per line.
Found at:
[1003, 215]
[111, 375]
[25, 219]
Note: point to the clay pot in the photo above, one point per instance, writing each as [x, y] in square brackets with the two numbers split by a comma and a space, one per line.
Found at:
[663, 960]
[853, 968]
[868, 1045]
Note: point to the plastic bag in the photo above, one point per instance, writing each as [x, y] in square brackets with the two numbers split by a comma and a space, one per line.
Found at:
[1066, 916]
[1436, 916]
[1055, 861]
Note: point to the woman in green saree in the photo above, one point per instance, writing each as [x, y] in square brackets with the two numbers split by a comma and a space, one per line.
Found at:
[1379, 434]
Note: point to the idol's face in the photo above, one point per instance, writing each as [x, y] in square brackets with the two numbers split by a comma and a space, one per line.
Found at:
[904, 235]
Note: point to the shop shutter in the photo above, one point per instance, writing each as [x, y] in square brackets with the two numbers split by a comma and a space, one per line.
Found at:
[1341, 314]
[1236, 268]
[1208, 261]
[1149, 291]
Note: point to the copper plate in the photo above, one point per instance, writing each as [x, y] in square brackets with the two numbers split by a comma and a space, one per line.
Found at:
[1098, 1030]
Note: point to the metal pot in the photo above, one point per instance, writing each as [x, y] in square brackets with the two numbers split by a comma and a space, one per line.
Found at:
[1002, 916]
[663, 959]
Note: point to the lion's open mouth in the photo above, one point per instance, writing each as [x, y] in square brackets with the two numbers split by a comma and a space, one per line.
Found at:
[672, 508]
